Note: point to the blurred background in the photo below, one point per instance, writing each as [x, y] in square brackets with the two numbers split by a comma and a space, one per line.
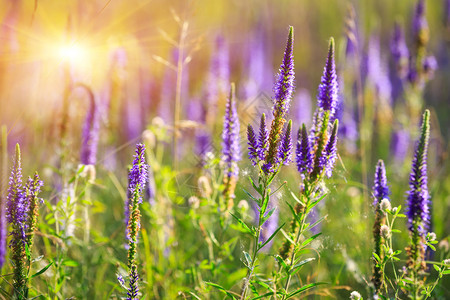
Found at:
[159, 71]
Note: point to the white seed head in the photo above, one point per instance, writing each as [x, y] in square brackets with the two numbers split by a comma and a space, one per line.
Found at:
[194, 202]
[447, 262]
[355, 296]
[204, 186]
[394, 210]
[243, 206]
[385, 231]
[149, 138]
[385, 205]
[431, 236]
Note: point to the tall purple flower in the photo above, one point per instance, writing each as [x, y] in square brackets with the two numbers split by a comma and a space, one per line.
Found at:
[33, 188]
[263, 138]
[16, 202]
[303, 153]
[231, 152]
[17, 212]
[329, 155]
[418, 195]
[283, 90]
[137, 179]
[380, 192]
[284, 86]
[91, 131]
[3, 233]
[380, 187]
[328, 88]
[285, 150]
[252, 145]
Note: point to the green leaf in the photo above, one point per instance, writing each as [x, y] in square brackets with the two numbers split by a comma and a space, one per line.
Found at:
[377, 258]
[436, 268]
[248, 258]
[251, 196]
[42, 270]
[271, 237]
[294, 214]
[245, 227]
[220, 288]
[431, 246]
[297, 199]
[304, 288]
[262, 296]
[297, 267]
[446, 272]
[267, 216]
[69, 263]
[258, 189]
[306, 242]
[316, 223]
[281, 261]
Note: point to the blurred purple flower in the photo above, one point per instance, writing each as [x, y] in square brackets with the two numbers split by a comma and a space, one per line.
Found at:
[420, 24]
[231, 152]
[399, 144]
[399, 51]
[3, 232]
[430, 65]
[303, 107]
[90, 136]
[377, 71]
[351, 33]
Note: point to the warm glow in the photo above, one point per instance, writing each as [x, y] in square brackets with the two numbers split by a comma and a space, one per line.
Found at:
[74, 53]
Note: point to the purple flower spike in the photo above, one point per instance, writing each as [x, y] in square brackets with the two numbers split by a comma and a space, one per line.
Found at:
[283, 93]
[252, 145]
[328, 88]
[380, 187]
[285, 150]
[399, 51]
[263, 139]
[3, 236]
[303, 153]
[90, 136]
[447, 13]
[231, 152]
[16, 202]
[138, 173]
[330, 152]
[133, 290]
[420, 24]
[418, 195]
[17, 213]
[284, 86]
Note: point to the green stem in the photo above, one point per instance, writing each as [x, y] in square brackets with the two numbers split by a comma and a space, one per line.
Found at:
[297, 239]
[256, 243]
